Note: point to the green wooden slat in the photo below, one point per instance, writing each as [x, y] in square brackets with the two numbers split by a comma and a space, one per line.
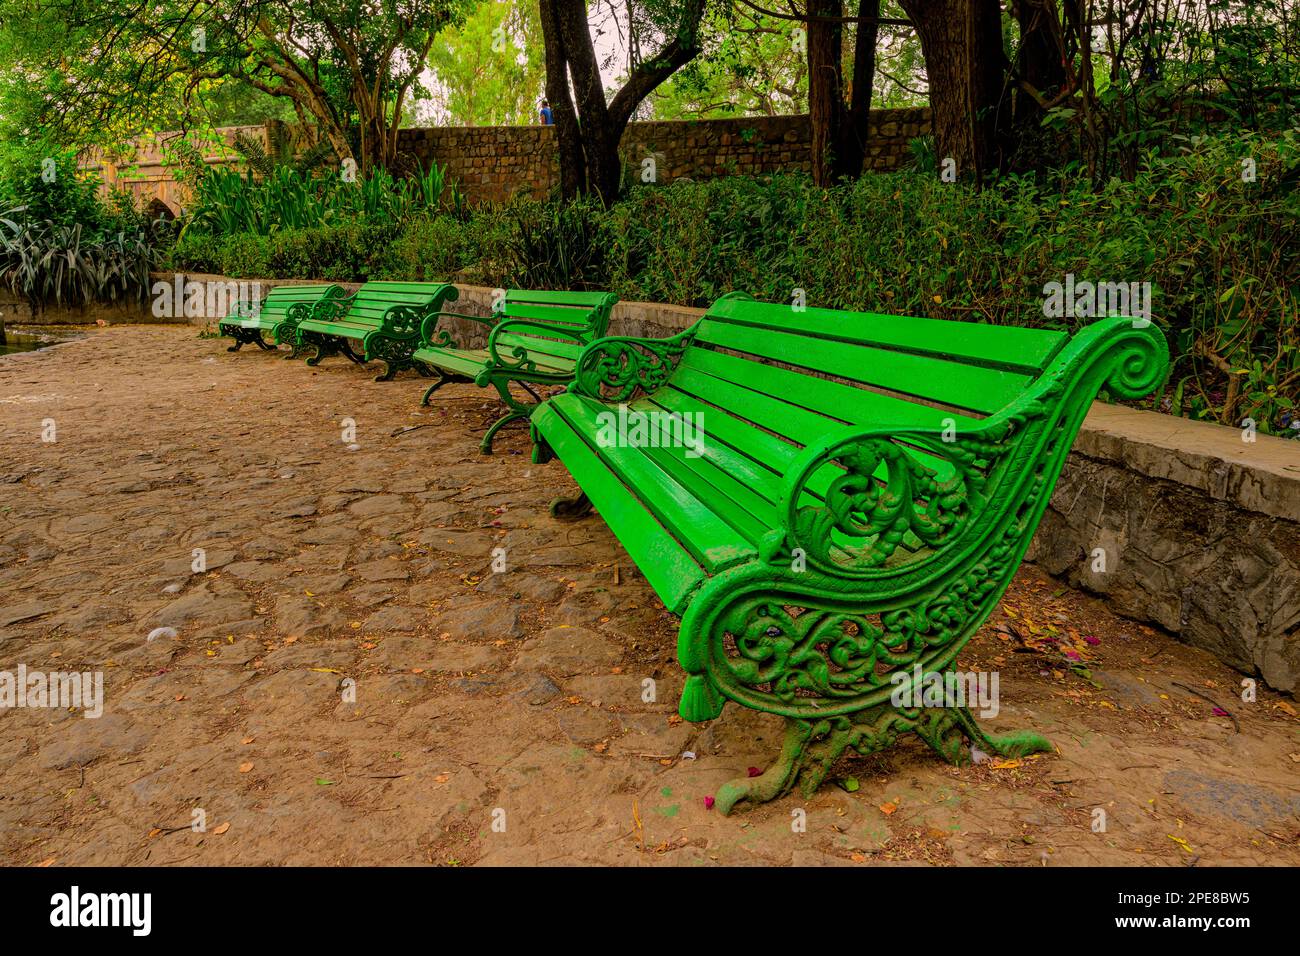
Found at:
[711, 541]
[452, 360]
[576, 318]
[564, 351]
[545, 297]
[836, 399]
[669, 568]
[995, 346]
[472, 361]
[962, 386]
[740, 506]
[793, 422]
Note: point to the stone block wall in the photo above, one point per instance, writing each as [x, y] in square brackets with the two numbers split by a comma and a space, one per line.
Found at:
[493, 163]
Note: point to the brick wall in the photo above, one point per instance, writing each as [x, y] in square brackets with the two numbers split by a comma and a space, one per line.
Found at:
[496, 162]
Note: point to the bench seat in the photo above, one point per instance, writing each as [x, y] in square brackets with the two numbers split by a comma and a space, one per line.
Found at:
[278, 313]
[384, 318]
[831, 499]
[534, 339]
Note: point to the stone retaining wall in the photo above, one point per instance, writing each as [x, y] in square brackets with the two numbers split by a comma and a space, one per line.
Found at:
[1199, 530]
[493, 163]
[496, 162]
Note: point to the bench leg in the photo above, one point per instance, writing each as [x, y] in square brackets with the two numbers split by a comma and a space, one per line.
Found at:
[799, 645]
[518, 410]
[444, 378]
[244, 337]
[485, 446]
[394, 353]
[346, 348]
[570, 509]
[812, 747]
[325, 346]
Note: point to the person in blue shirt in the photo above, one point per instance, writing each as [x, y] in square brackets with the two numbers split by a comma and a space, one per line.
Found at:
[547, 119]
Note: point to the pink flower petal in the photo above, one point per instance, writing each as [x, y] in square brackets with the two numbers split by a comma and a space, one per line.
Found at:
[708, 803]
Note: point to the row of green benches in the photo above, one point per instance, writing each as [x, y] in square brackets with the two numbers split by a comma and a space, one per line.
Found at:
[857, 493]
[533, 337]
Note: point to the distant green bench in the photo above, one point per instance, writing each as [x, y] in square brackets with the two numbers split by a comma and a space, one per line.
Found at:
[535, 339]
[279, 314]
[848, 500]
[384, 317]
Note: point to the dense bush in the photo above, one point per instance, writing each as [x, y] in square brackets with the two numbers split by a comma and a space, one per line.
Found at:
[287, 198]
[1219, 252]
[60, 242]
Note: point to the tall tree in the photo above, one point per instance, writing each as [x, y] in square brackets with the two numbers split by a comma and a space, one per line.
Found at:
[490, 70]
[588, 127]
[840, 109]
[966, 69]
[347, 67]
[749, 66]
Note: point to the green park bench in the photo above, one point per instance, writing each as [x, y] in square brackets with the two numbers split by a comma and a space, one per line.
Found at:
[278, 314]
[833, 498]
[384, 317]
[535, 339]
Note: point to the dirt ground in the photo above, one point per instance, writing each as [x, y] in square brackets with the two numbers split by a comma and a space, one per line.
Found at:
[498, 717]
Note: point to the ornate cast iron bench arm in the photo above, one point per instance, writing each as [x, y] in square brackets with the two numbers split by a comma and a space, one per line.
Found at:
[910, 539]
[430, 334]
[331, 310]
[619, 367]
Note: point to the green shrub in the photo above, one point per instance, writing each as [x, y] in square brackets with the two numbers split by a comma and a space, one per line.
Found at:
[429, 248]
[287, 198]
[44, 182]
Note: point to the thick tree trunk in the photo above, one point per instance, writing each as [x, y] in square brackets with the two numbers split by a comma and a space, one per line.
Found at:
[573, 166]
[599, 138]
[961, 41]
[854, 133]
[1040, 65]
[589, 135]
[825, 87]
[839, 116]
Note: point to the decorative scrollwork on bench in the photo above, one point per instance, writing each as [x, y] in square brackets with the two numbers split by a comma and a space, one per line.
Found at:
[791, 651]
[403, 321]
[886, 491]
[617, 368]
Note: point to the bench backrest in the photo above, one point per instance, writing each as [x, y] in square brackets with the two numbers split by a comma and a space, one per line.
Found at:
[277, 303]
[369, 304]
[799, 372]
[584, 316]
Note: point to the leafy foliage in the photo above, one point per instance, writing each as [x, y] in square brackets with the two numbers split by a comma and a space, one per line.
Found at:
[228, 202]
[48, 262]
